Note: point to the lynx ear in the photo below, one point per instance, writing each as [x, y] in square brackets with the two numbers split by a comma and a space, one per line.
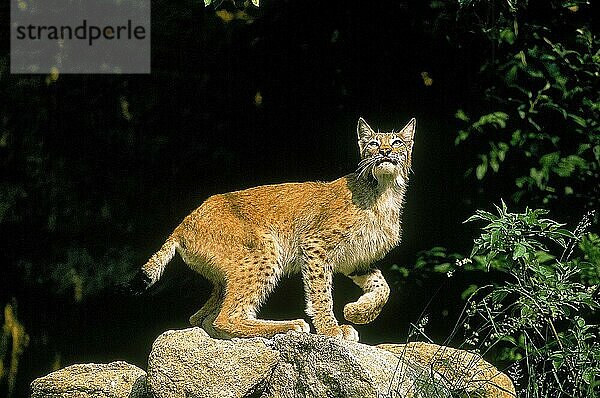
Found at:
[364, 132]
[408, 132]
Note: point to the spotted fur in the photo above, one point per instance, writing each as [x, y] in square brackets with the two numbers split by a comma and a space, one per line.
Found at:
[245, 241]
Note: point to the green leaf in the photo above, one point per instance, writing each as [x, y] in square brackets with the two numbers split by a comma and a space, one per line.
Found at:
[565, 233]
[403, 271]
[443, 268]
[481, 169]
[496, 119]
[469, 291]
[550, 159]
[462, 136]
[543, 257]
[511, 75]
[494, 164]
[486, 215]
[507, 35]
[578, 119]
[521, 57]
[545, 270]
[520, 251]
[461, 115]
[508, 339]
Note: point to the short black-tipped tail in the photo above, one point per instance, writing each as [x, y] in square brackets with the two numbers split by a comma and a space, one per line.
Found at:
[139, 283]
[150, 272]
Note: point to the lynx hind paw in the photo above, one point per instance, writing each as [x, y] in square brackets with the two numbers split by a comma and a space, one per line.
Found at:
[196, 319]
[300, 325]
[349, 333]
[360, 313]
[345, 332]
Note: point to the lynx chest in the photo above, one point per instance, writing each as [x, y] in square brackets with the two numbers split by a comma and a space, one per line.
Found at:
[375, 233]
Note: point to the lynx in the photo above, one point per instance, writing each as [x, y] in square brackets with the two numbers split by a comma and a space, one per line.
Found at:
[245, 241]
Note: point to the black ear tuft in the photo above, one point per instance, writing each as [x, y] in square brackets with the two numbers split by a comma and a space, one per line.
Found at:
[139, 283]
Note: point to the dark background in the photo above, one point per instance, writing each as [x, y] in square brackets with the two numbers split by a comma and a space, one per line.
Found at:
[97, 170]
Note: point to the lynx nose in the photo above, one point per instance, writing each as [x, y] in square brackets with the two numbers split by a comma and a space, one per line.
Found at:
[385, 151]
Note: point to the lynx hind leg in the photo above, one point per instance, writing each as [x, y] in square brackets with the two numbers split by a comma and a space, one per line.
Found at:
[208, 324]
[212, 306]
[254, 279]
[369, 305]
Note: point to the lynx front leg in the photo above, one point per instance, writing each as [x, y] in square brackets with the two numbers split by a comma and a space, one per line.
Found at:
[318, 283]
[369, 305]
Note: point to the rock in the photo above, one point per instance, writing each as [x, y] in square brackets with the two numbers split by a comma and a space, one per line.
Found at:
[466, 373]
[113, 380]
[188, 362]
[318, 366]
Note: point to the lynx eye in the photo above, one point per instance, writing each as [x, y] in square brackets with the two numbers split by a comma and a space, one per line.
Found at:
[373, 144]
[397, 143]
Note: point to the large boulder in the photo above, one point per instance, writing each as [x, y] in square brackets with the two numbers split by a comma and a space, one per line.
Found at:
[465, 373]
[294, 365]
[113, 380]
[189, 363]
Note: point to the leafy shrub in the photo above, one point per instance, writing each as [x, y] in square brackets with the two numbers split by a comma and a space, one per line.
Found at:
[539, 318]
[530, 118]
[542, 104]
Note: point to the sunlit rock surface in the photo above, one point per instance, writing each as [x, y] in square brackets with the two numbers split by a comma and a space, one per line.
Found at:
[116, 379]
[189, 363]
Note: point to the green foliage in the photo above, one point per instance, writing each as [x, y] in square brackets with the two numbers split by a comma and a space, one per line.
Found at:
[436, 259]
[590, 259]
[542, 101]
[532, 122]
[540, 318]
[519, 236]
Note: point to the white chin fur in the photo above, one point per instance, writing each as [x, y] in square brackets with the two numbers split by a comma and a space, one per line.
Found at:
[385, 171]
[385, 168]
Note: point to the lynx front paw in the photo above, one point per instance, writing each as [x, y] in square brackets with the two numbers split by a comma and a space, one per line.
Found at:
[300, 325]
[345, 332]
[361, 312]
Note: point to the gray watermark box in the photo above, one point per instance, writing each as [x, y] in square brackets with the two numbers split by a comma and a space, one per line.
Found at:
[80, 36]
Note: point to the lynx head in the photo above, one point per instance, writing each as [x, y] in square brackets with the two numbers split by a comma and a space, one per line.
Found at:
[385, 156]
